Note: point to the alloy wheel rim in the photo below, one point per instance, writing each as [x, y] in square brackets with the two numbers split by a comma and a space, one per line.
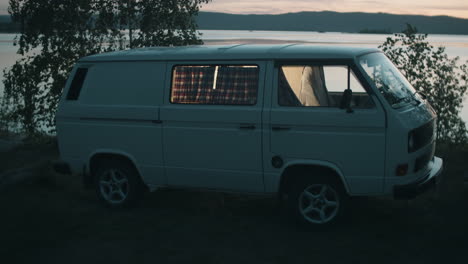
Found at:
[319, 203]
[113, 186]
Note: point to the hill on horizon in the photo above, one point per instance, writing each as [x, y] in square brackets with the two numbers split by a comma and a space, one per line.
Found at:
[333, 22]
[328, 21]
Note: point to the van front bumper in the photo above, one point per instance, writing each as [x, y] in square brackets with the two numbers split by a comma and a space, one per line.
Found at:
[411, 190]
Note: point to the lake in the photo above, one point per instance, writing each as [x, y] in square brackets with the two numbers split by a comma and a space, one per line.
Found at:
[456, 45]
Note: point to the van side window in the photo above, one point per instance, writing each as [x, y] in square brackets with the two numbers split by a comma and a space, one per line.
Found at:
[77, 83]
[304, 85]
[124, 83]
[215, 84]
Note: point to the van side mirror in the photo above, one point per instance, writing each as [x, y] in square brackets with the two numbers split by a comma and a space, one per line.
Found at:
[346, 100]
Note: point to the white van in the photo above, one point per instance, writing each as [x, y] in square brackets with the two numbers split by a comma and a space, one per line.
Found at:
[314, 125]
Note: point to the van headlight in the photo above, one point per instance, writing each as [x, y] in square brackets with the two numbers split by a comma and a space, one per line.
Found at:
[411, 141]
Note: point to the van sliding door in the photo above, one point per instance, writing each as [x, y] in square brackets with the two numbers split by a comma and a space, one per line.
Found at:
[212, 125]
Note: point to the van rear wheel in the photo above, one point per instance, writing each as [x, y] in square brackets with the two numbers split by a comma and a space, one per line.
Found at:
[118, 184]
[317, 203]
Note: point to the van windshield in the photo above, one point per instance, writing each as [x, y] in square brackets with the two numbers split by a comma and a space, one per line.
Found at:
[388, 79]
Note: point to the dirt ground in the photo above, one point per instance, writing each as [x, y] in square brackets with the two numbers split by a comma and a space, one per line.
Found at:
[51, 219]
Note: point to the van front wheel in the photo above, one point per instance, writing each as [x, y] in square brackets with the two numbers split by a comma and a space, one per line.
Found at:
[118, 184]
[319, 203]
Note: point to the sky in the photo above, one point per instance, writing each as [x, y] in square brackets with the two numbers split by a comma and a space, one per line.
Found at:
[456, 8]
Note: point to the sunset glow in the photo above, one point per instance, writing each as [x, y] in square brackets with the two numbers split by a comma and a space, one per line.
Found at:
[456, 8]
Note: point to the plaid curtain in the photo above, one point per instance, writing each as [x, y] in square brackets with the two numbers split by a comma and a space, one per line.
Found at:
[236, 85]
[192, 84]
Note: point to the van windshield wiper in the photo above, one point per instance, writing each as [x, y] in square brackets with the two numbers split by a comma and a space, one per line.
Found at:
[423, 96]
[398, 101]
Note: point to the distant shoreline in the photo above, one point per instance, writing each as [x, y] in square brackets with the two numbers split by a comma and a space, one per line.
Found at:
[311, 31]
[320, 21]
[328, 21]
[277, 41]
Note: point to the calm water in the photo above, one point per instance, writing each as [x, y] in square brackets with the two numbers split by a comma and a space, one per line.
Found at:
[456, 45]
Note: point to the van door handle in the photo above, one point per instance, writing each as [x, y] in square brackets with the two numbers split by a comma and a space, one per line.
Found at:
[247, 127]
[156, 121]
[280, 128]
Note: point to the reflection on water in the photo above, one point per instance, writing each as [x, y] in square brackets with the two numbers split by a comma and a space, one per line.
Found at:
[456, 45]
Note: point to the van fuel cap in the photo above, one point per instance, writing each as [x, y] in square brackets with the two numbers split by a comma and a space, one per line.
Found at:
[277, 162]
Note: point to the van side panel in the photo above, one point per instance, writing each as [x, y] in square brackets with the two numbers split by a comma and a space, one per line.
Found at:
[354, 142]
[116, 112]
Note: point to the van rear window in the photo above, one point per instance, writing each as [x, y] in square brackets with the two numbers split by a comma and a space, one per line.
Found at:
[77, 83]
[215, 84]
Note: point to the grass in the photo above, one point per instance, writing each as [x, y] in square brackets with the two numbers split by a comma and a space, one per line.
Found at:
[51, 219]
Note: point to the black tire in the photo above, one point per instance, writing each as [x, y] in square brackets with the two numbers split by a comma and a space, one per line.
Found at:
[112, 176]
[317, 202]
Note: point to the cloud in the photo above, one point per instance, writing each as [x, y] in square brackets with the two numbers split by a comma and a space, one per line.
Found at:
[266, 6]
[462, 8]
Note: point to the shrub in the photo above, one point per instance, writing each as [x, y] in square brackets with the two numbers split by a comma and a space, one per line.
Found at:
[443, 80]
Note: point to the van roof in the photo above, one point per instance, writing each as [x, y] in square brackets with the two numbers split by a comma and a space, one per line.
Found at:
[232, 52]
